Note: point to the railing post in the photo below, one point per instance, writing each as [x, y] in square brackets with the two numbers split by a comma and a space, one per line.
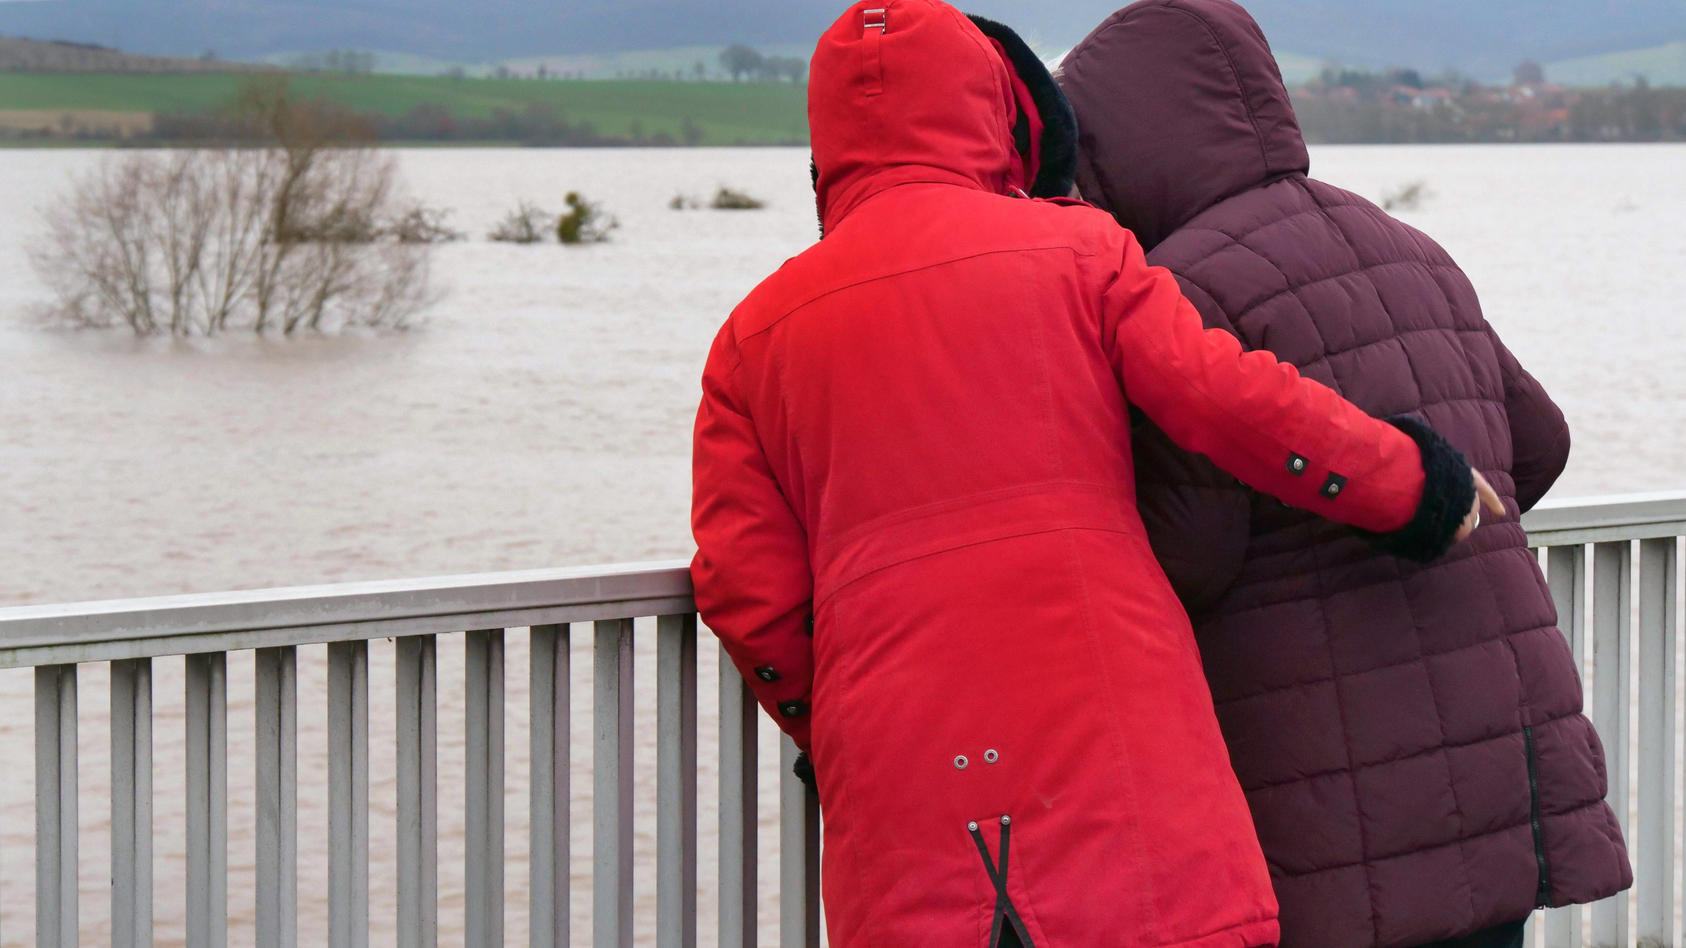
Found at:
[550, 717]
[55, 807]
[348, 795]
[676, 781]
[612, 785]
[418, 810]
[483, 743]
[276, 701]
[1659, 647]
[207, 800]
[1567, 574]
[799, 850]
[1612, 649]
[131, 803]
[737, 809]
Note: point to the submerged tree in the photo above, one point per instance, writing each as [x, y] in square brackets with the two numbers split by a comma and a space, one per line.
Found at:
[298, 227]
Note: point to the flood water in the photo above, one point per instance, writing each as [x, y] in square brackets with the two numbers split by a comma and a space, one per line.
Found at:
[540, 416]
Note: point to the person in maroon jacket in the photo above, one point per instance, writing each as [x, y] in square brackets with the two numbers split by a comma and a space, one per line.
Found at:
[916, 530]
[1409, 737]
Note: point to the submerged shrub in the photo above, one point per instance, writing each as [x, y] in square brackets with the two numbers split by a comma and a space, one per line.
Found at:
[527, 224]
[584, 222]
[423, 225]
[1407, 198]
[727, 199]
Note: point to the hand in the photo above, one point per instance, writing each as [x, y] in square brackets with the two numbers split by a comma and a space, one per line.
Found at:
[1485, 496]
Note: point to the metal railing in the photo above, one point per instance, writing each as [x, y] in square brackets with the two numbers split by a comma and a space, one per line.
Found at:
[1614, 569]
[548, 606]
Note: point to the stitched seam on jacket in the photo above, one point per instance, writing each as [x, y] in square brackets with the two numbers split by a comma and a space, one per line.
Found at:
[1439, 717]
[1304, 547]
[1227, 411]
[937, 265]
[1357, 204]
[839, 589]
[1423, 657]
[1523, 707]
[1145, 904]
[1410, 853]
[1235, 77]
[1327, 354]
[1351, 757]
[1417, 755]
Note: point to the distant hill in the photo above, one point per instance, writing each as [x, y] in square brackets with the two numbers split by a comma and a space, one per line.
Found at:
[23, 55]
[1485, 38]
[1660, 65]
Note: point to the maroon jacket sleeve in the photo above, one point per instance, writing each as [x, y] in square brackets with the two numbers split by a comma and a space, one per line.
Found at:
[754, 585]
[1539, 435]
[1197, 516]
[1283, 434]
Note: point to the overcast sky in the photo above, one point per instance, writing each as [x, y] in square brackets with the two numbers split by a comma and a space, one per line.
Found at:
[1475, 35]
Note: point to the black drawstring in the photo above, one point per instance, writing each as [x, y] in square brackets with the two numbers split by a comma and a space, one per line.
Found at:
[1004, 910]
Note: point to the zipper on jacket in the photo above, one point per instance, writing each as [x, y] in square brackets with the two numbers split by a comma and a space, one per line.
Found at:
[1542, 895]
[1005, 912]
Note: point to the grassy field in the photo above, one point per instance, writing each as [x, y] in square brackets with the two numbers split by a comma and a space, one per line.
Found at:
[729, 113]
[1660, 65]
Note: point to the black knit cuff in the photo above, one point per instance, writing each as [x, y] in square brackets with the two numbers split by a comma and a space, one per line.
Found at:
[804, 770]
[1448, 493]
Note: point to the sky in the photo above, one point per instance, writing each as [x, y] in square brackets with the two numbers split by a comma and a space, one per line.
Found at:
[1478, 36]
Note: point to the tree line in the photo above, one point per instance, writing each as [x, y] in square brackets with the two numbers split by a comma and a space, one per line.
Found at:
[1345, 106]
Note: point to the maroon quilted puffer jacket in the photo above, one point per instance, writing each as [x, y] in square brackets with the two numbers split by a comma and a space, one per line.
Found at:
[1410, 737]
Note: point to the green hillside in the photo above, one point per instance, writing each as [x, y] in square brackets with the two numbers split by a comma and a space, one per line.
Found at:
[1660, 65]
[728, 113]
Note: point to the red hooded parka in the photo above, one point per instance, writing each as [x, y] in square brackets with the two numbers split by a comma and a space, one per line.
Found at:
[917, 536]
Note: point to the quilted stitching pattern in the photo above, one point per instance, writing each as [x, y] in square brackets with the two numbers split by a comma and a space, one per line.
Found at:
[1374, 708]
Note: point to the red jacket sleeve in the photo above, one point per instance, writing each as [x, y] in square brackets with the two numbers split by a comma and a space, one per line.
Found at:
[1255, 417]
[1198, 518]
[754, 585]
[1539, 435]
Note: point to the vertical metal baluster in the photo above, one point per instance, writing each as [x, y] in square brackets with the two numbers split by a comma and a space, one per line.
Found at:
[207, 800]
[612, 785]
[131, 803]
[676, 781]
[1612, 647]
[549, 801]
[1567, 575]
[55, 807]
[799, 847]
[1654, 859]
[737, 809]
[483, 852]
[418, 810]
[276, 701]
[348, 795]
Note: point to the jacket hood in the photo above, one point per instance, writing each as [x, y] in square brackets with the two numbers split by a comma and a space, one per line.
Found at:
[909, 91]
[1181, 105]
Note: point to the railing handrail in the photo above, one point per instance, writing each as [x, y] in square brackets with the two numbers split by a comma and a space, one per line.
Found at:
[1570, 521]
[209, 622]
[306, 615]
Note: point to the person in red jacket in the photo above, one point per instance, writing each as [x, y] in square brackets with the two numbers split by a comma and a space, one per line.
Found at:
[914, 508]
